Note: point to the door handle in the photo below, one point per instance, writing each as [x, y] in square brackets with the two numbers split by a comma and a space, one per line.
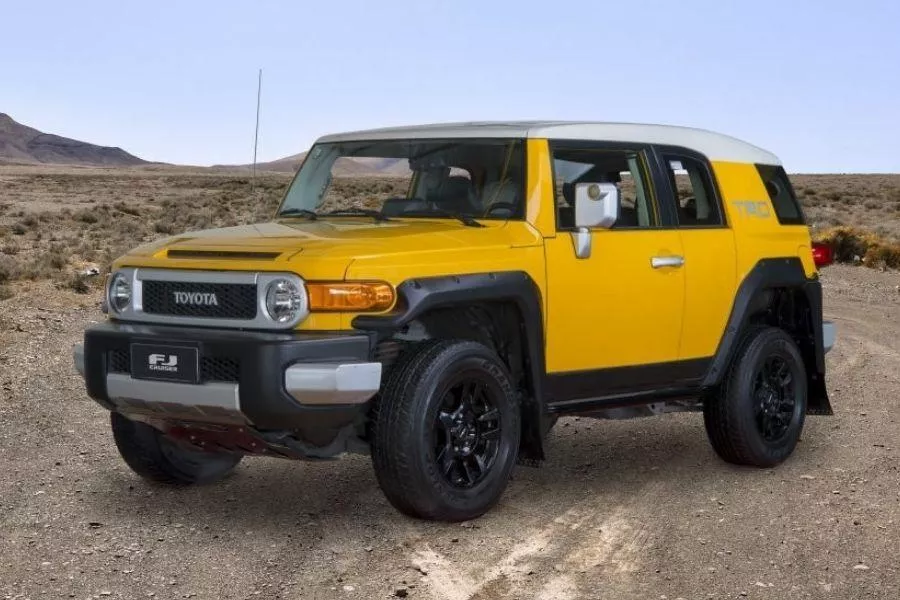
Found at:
[658, 262]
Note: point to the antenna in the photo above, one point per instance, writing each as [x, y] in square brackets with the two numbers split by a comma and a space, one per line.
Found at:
[256, 132]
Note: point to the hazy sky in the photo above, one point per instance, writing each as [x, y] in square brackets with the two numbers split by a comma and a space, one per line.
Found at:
[816, 82]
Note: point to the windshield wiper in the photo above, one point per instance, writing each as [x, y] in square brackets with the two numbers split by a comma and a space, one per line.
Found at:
[461, 217]
[299, 212]
[367, 212]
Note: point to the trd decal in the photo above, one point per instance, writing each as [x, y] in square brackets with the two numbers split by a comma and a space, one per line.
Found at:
[753, 208]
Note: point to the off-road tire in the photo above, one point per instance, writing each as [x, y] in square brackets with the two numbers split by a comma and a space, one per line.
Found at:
[403, 454]
[153, 456]
[731, 417]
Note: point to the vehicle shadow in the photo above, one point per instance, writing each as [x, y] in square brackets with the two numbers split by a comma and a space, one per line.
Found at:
[601, 459]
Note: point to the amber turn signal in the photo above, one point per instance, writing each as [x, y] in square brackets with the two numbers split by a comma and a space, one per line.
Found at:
[350, 297]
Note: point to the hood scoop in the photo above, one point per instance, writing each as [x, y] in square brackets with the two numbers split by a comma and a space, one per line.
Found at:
[221, 254]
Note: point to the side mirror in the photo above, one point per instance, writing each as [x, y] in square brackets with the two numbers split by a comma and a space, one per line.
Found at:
[596, 205]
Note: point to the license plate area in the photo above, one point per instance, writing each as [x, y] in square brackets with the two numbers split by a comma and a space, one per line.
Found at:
[165, 362]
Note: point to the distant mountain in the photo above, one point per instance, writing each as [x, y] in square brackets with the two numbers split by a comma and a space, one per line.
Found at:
[347, 167]
[20, 144]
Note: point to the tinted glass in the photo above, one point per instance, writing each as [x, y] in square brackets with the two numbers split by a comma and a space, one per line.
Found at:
[625, 169]
[483, 179]
[696, 204]
[781, 193]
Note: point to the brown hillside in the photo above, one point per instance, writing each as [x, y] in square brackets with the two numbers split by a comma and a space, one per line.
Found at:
[20, 144]
[345, 167]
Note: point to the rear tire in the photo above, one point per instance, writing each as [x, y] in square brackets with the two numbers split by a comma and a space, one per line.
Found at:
[446, 431]
[158, 458]
[758, 414]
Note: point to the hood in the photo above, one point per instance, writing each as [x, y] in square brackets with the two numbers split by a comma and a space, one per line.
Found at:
[343, 237]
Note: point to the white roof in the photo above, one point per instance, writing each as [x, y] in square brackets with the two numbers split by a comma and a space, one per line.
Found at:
[715, 146]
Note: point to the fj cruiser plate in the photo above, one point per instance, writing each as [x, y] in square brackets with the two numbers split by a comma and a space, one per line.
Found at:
[165, 363]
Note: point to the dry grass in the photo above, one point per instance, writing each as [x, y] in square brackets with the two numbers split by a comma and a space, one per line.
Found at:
[57, 222]
[870, 202]
[854, 245]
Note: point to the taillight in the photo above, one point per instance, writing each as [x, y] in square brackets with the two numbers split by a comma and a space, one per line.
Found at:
[822, 254]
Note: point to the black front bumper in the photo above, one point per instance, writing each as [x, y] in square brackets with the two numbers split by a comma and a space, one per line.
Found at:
[259, 359]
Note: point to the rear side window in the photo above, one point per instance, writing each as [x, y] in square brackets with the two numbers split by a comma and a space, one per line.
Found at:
[694, 193]
[787, 209]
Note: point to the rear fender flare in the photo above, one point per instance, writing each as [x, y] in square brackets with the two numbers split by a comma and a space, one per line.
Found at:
[769, 274]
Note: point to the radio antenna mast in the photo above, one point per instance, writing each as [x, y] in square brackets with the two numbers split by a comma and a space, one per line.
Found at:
[256, 132]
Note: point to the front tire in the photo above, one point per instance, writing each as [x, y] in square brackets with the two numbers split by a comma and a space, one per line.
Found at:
[158, 458]
[758, 414]
[446, 431]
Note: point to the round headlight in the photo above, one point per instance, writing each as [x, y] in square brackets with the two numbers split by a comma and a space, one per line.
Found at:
[119, 292]
[284, 300]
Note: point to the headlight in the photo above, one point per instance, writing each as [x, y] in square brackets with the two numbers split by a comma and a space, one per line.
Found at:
[361, 296]
[119, 293]
[284, 300]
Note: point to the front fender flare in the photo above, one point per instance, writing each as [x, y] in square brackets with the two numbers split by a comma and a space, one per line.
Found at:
[418, 296]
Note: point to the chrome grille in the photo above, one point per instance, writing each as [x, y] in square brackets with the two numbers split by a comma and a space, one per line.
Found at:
[233, 300]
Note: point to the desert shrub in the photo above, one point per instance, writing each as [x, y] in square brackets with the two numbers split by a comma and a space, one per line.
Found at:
[127, 208]
[164, 226]
[10, 249]
[78, 283]
[19, 228]
[5, 292]
[7, 270]
[87, 216]
[887, 255]
[852, 245]
[56, 259]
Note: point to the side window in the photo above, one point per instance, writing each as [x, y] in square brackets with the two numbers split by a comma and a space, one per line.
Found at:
[695, 197]
[626, 169]
[787, 209]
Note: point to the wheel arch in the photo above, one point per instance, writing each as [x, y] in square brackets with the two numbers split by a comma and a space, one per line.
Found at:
[503, 308]
[777, 292]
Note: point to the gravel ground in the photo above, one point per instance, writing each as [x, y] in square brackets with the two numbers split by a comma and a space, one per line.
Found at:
[621, 509]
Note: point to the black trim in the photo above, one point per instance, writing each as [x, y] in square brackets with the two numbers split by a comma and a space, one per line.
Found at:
[767, 274]
[818, 404]
[418, 296]
[262, 358]
[579, 385]
[625, 399]
[624, 386]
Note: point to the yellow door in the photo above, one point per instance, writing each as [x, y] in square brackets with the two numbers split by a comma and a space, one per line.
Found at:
[614, 308]
[622, 305]
[710, 287]
[709, 254]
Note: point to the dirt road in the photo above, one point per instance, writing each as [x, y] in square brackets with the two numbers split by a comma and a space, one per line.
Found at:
[627, 509]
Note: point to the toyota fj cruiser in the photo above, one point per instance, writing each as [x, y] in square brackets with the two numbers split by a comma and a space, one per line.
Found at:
[497, 276]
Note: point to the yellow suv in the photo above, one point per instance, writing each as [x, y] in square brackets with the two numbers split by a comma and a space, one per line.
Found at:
[437, 296]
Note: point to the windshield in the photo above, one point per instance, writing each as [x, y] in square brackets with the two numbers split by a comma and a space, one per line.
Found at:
[481, 179]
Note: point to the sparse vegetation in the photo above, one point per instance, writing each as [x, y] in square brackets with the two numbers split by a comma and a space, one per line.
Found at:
[870, 202]
[56, 223]
[854, 245]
